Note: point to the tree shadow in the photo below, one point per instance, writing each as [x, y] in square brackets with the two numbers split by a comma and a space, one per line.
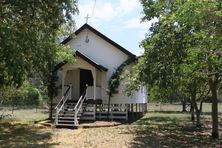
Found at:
[170, 132]
[134, 116]
[158, 120]
[23, 135]
[169, 112]
[44, 111]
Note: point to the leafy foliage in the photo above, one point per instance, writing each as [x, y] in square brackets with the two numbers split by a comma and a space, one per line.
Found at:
[184, 50]
[25, 95]
[114, 80]
[28, 37]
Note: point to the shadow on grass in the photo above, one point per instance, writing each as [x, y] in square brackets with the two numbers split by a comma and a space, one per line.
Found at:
[133, 117]
[157, 120]
[160, 131]
[44, 111]
[23, 135]
[169, 112]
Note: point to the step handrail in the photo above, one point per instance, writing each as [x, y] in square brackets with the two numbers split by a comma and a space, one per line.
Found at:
[65, 94]
[62, 102]
[78, 106]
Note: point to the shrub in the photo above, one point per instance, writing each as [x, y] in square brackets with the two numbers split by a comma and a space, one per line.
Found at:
[25, 95]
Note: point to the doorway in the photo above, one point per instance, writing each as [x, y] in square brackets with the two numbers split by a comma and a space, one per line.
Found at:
[86, 78]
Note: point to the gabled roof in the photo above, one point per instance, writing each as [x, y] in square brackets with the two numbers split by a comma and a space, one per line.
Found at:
[86, 26]
[84, 57]
[90, 61]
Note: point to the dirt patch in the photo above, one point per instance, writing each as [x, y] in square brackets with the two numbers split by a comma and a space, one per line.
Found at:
[153, 130]
[99, 124]
[102, 134]
[15, 134]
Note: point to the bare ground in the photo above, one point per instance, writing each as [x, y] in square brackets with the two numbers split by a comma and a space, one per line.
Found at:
[150, 131]
[156, 129]
[101, 137]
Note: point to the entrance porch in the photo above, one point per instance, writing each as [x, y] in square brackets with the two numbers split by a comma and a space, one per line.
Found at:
[83, 95]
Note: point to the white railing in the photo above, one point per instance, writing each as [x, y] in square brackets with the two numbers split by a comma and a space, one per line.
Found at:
[115, 111]
[60, 106]
[78, 106]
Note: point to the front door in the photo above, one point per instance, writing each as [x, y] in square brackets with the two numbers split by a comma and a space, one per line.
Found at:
[86, 78]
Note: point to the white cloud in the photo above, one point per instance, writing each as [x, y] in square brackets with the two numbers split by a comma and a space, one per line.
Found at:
[127, 6]
[116, 17]
[135, 23]
[106, 10]
[138, 52]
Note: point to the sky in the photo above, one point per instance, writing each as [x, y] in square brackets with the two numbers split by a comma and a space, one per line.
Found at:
[119, 20]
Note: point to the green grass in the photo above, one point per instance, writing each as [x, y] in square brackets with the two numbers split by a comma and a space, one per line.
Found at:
[173, 129]
[161, 118]
[24, 115]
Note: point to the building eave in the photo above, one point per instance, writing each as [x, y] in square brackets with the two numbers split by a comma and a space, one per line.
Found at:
[86, 26]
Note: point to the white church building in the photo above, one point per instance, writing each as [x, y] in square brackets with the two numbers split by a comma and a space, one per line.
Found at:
[83, 92]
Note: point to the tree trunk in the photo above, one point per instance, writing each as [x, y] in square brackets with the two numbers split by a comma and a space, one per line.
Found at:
[197, 111]
[50, 107]
[192, 113]
[201, 106]
[215, 128]
[192, 105]
[184, 104]
[198, 124]
[195, 107]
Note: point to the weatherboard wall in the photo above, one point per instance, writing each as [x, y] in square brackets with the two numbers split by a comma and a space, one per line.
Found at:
[99, 50]
[107, 55]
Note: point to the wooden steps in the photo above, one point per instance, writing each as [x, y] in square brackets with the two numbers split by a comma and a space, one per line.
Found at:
[69, 113]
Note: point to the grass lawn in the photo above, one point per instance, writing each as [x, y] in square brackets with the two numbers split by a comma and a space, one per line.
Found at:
[24, 115]
[158, 128]
[172, 129]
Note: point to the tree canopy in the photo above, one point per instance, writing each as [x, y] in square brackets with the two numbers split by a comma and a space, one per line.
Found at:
[184, 47]
[29, 38]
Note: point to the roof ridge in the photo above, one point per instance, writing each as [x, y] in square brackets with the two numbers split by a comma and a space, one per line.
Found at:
[100, 35]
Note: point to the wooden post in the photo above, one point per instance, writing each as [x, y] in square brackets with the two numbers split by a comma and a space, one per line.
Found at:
[108, 107]
[144, 108]
[132, 108]
[94, 89]
[94, 84]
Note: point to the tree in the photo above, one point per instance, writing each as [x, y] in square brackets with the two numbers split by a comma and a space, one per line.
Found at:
[28, 33]
[29, 39]
[186, 30]
[205, 18]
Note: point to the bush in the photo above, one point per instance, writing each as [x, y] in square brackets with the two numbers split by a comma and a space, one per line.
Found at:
[25, 95]
[32, 97]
